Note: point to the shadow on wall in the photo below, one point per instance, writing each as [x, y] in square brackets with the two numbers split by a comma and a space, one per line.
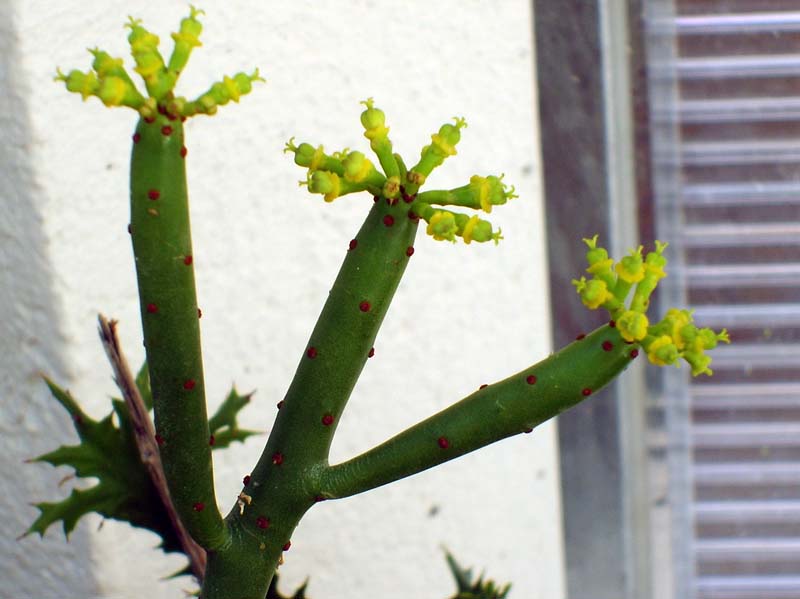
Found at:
[30, 343]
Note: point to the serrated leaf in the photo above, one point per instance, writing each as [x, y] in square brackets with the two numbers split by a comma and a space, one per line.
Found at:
[107, 453]
[143, 384]
[223, 424]
[479, 589]
[273, 593]
[100, 498]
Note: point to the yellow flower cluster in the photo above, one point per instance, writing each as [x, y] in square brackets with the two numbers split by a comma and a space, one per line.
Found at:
[109, 81]
[674, 337]
[342, 173]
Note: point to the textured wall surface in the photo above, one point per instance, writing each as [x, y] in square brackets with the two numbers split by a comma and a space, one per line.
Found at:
[266, 253]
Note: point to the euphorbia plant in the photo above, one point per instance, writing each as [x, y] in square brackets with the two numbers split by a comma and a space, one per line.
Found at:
[236, 555]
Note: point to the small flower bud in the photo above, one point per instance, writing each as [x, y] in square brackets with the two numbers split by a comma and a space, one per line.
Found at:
[595, 293]
[357, 167]
[633, 325]
[85, 84]
[374, 120]
[631, 268]
[186, 39]
[325, 183]
[443, 144]
[662, 352]
[442, 226]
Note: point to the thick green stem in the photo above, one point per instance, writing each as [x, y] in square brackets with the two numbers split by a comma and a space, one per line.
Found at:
[285, 482]
[342, 340]
[162, 248]
[509, 407]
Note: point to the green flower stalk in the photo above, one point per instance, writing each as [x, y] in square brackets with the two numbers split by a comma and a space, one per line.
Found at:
[443, 144]
[375, 130]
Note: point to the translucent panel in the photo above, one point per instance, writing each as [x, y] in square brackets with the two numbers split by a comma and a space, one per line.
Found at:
[724, 79]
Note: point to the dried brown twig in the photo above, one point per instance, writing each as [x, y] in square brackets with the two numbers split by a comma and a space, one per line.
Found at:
[146, 441]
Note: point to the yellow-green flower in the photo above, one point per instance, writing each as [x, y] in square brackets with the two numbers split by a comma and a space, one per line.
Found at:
[633, 325]
[594, 292]
[631, 268]
[662, 351]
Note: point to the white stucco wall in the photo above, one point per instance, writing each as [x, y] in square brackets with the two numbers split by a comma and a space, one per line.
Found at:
[266, 253]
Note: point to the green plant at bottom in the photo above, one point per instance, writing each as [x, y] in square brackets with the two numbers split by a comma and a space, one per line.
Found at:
[239, 553]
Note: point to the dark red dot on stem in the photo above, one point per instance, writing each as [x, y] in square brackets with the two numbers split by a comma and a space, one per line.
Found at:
[152, 308]
[483, 386]
[136, 138]
[634, 353]
[166, 130]
[184, 151]
[187, 260]
[246, 480]
[159, 440]
[443, 442]
[410, 251]
[311, 352]
[319, 498]
[199, 506]
[277, 458]
[607, 346]
[262, 522]
[212, 440]
[612, 323]
[531, 379]
[287, 545]
[371, 352]
[581, 336]
[353, 244]
[189, 384]
[327, 419]
[364, 306]
[388, 220]
[280, 404]
[199, 313]
[586, 392]
[153, 194]
[527, 430]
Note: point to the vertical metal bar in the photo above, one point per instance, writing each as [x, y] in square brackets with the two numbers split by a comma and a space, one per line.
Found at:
[631, 391]
[590, 185]
[663, 94]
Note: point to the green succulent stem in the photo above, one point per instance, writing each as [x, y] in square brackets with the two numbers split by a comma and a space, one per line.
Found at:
[162, 248]
[286, 480]
[341, 341]
[509, 407]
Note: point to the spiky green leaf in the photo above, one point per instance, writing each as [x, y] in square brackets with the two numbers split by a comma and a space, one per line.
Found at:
[108, 453]
[480, 589]
[223, 424]
[273, 593]
[143, 384]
